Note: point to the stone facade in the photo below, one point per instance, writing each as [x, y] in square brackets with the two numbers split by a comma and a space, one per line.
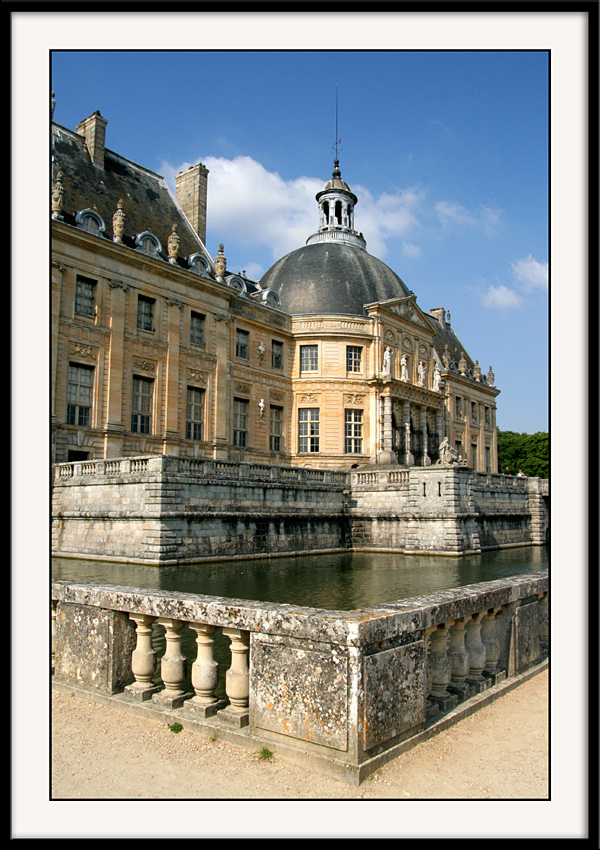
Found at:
[157, 348]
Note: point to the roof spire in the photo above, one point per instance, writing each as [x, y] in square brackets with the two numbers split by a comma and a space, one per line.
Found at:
[338, 141]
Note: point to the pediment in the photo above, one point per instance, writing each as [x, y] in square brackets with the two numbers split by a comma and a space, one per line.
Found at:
[407, 309]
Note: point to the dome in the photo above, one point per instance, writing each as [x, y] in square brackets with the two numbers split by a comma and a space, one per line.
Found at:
[331, 278]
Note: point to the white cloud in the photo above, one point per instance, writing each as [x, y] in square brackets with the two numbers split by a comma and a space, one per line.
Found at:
[410, 250]
[500, 297]
[530, 273]
[258, 207]
[486, 217]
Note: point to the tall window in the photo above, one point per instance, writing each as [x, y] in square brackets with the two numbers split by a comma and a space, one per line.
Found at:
[85, 303]
[241, 344]
[79, 394]
[197, 329]
[145, 313]
[276, 355]
[141, 405]
[275, 429]
[488, 419]
[308, 429]
[458, 408]
[353, 358]
[309, 358]
[240, 422]
[194, 414]
[353, 431]
[474, 412]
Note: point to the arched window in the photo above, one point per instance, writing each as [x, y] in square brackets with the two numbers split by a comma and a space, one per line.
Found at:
[90, 221]
[147, 243]
[199, 264]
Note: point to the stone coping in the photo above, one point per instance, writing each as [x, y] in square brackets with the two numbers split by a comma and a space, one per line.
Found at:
[355, 628]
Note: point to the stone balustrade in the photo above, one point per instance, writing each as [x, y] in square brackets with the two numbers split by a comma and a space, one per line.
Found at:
[203, 467]
[343, 691]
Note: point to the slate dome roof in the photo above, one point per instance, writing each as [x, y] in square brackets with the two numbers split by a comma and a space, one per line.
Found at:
[333, 279]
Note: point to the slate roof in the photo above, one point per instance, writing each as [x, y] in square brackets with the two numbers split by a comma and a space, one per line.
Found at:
[328, 278]
[148, 203]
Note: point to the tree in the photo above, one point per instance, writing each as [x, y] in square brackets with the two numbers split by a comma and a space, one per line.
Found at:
[529, 452]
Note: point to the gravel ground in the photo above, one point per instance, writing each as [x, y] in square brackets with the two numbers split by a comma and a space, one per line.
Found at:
[100, 753]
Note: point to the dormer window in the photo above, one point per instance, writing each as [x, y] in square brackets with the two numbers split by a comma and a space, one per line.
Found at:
[199, 264]
[90, 221]
[147, 243]
[236, 283]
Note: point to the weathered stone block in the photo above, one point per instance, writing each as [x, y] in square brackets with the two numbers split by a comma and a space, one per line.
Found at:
[300, 692]
[394, 693]
[94, 646]
[527, 635]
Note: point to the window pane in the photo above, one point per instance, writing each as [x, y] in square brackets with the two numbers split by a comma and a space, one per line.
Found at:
[309, 358]
[353, 431]
[308, 429]
[277, 355]
[79, 394]
[197, 329]
[353, 358]
[141, 405]
[241, 344]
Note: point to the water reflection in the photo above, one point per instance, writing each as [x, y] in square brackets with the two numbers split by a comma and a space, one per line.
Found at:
[343, 581]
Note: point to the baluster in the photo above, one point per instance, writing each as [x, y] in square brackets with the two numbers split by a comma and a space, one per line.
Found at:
[459, 661]
[237, 679]
[173, 667]
[440, 669]
[476, 650]
[205, 674]
[143, 660]
[489, 637]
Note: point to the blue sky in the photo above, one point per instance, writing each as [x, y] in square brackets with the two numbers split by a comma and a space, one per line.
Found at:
[446, 151]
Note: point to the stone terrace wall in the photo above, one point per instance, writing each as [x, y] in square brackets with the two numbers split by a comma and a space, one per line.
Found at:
[164, 509]
[445, 510]
[168, 509]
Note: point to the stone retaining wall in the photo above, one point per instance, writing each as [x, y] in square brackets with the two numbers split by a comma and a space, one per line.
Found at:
[163, 509]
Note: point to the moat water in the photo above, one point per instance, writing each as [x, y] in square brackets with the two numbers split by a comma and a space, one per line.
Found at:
[342, 581]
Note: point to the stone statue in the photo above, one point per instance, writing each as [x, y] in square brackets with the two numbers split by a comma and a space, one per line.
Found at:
[437, 378]
[387, 361]
[403, 369]
[447, 453]
[491, 377]
[173, 245]
[119, 222]
[261, 408]
[220, 263]
[446, 357]
[58, 196]
[421, 370]
[462, 363]
[477, 371]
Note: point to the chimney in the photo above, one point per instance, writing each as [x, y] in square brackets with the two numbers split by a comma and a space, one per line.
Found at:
[93, 129]
[439, 313]
[190, 192]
